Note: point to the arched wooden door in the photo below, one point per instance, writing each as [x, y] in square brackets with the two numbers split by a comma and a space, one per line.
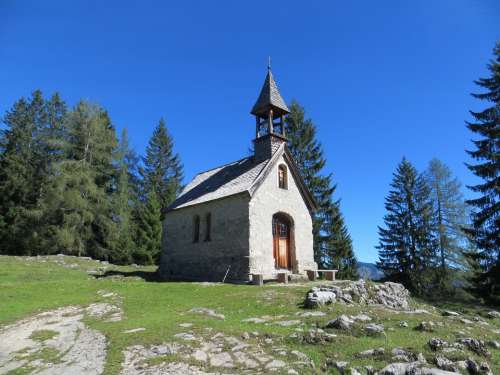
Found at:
[281, 242]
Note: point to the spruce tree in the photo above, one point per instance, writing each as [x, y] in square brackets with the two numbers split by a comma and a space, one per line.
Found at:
[332, 243]
[22, 171]
[149, 231]
[407, 247]
[485, 229]
[163, 171]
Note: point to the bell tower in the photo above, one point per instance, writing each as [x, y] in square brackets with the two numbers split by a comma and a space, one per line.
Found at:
[269, 111]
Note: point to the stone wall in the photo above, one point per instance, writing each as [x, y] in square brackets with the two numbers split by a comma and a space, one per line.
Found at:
[207, 260]
[268, 200]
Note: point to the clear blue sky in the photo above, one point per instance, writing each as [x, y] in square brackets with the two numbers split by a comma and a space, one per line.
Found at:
[380, 79]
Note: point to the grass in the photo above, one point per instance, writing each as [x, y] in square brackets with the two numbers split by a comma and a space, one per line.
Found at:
[29, 286]
[43, 335]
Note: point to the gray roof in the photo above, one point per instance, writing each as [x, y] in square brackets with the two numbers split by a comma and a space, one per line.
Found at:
[242, 176]
[269, 96]
[220, 182]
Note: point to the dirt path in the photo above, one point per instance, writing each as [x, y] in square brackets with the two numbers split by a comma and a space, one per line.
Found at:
[57, 342]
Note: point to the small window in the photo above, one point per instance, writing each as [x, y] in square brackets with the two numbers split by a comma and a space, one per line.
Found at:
[282, 177]
[208, 231]
[196, 229]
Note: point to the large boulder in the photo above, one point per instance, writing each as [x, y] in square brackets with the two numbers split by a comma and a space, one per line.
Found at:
[392, 295]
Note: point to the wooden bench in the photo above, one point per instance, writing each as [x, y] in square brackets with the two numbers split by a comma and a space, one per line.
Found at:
[329, 274]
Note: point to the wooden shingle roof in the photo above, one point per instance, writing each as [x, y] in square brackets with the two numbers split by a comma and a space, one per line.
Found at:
[269, 97]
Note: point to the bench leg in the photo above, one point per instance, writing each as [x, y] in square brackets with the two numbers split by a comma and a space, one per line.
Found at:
[330, 275]
[258, 279]
[311, 275]
[283, 278]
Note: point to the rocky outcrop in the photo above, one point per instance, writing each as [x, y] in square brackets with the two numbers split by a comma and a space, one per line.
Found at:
[388, 294]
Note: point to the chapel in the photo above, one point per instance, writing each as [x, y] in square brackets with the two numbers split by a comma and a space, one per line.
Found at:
[249, 217]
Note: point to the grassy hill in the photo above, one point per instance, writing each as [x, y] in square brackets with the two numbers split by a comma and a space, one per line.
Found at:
[159, 313]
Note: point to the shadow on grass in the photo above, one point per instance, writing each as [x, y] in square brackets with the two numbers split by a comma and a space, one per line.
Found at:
[149, 276]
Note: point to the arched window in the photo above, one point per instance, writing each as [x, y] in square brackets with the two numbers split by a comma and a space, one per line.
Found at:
[208, 231]
[196, 229]
[282, 177]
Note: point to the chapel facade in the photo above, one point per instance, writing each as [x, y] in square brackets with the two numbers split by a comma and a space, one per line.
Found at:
[251, 216]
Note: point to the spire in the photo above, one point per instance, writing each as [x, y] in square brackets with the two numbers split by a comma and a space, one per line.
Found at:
[270, 97]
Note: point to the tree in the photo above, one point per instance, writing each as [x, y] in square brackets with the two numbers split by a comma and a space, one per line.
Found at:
[407, 245]
[125, 200]
[332, 243]
[485, 229]
[449, 212]
[149, 232]
[23, 169]
[77, 207]
[163, 171]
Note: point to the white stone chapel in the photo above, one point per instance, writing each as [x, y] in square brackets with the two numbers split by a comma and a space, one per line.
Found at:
[249, 217]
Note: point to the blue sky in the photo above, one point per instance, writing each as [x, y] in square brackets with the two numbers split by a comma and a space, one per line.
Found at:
[380, 79]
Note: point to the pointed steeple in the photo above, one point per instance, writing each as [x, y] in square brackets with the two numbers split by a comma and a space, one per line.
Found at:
[269, 98]
[269, 111]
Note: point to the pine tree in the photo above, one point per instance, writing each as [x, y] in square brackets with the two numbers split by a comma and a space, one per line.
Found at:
[163, 171]
[485, 229]
[332, 243]
[449, 214]
[407, 246]
[149, 230]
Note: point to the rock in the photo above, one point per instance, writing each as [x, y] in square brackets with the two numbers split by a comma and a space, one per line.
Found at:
[287, 323]
[466, 321]
[436, 343]
[426, 326]
[403, 324]
[435, 371]
[493, 314]
[361, 318]
[254, 320]
[374, 329]
[222, 359]
[370, 370]
[245, 336]
[185, 336]
[389, 294]
[275, 363]
[450, 313]
[398, 369]
[477, 346]
[308, 314]
[135, 330]
[354, 371]
[372, 352]
[341, 366]
[200, 355]
[207, 312]
[186, 325]
[342, 322]
[444, 363]
[494, 344]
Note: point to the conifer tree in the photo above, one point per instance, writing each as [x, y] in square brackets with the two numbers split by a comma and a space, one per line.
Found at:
[163, 171]
[149, 231]
[77, 204]
[124, 202]
[21, 171]
[407, 246]
[485, 229]
[332, 243]
[449, 214]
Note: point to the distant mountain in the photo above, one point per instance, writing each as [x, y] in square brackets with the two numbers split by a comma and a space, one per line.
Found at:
[369, 271]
